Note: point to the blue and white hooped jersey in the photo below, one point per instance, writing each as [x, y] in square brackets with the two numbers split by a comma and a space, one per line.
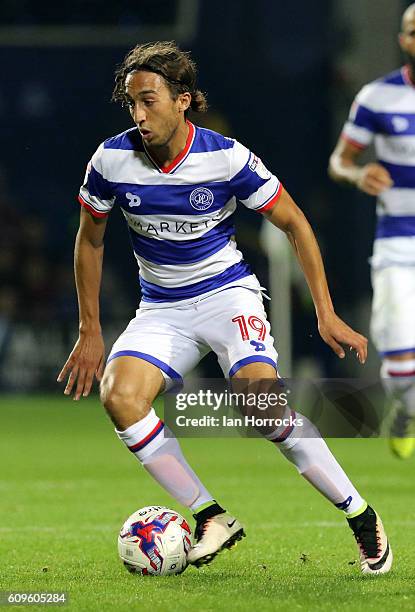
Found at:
[180, 218]
[384, 111]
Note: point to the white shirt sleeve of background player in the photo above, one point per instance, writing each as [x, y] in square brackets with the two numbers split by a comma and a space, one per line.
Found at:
[96, 192]
[361, 125]
[251, 183]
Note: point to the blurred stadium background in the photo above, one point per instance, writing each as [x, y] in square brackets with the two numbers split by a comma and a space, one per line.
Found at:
[280, 77]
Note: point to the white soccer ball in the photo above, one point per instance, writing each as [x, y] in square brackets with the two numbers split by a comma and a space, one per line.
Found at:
[155, 541]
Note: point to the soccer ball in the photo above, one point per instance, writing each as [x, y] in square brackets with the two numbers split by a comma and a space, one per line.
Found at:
[155, 541]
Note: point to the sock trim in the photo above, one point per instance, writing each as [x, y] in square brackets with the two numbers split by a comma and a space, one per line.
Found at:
[287, 431]
[362, 508]
[212, 510]
[149, 437]
[205, 505]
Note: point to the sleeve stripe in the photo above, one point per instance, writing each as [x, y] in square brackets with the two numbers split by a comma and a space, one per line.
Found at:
[90, 209]
[359, 145]
[272, 201]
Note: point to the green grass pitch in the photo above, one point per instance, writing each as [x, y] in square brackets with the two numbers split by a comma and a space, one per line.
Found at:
[67, 484]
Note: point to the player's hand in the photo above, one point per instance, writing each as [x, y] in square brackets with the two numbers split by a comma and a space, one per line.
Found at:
[85, 362]
[335, 332]
[373, 179]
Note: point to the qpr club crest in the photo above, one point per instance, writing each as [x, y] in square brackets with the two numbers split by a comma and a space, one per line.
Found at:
[400, 124]
[201, 198]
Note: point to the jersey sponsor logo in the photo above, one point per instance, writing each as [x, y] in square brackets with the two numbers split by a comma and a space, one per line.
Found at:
[400, 124]
[170, 227]
[133, 200]
[256, 165]
[201, 198]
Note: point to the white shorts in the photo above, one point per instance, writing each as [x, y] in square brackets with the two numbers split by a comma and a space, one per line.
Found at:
[393, 309]
[232, 323]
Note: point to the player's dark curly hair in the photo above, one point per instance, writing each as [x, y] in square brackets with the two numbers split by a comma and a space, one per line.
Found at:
[166, 59]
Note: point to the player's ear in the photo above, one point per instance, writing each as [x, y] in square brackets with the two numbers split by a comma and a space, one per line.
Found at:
[184, 100]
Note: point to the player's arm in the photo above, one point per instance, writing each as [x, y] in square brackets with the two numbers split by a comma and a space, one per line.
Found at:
[286, 215]
[371, 178]
[87, 357]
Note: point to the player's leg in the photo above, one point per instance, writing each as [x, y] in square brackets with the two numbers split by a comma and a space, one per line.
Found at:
[301, 443]
[128, 390]
[218, 324]
[398, 379]
[240, 335]
[393, 332]
[139, 365]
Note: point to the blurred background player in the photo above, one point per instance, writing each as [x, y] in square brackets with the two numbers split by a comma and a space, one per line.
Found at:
[384, 113]
[178, 187]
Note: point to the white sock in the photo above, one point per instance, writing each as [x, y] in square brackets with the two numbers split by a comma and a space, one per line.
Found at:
[398, 379]
[163, 459]
[302, 444]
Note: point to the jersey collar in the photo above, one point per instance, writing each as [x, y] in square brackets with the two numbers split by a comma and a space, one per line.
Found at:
[181, 157]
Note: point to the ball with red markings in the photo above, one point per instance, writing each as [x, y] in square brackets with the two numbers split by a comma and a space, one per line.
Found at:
[154, 541]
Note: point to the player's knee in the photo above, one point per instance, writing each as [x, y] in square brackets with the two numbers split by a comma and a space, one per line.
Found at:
[124, 400]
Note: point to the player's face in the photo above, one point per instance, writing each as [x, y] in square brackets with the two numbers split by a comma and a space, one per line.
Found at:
[407, 38]
[153, 109]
